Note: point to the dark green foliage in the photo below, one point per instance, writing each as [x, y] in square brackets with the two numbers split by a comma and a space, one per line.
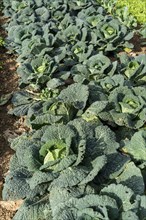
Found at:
[84, 156]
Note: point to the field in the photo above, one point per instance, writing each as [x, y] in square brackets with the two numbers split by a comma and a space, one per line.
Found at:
[72, 110]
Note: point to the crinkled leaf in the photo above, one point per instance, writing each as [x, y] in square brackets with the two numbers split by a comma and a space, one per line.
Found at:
[16, 186]
[97, 164]
[39, 178]
[122, 194]
[34, 209]
[132, 178]
[72, 176]
[76, 95]
[136, 147]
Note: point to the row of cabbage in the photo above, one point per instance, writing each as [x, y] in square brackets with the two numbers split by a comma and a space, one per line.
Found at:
[84, 157]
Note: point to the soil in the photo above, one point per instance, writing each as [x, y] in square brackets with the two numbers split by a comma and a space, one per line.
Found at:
[10, 126]
[138, 49]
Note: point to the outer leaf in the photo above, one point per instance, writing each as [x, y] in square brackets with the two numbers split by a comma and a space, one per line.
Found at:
[106, 140]
[82, 206]
[34, 209]
[136, 147]
[76, 95]
[16, 186]
[98, 201]
[142, 209]
[98, 164]
[132, 178]
[57, 132]
[39, 178]
[72, 176]
[122, 194]
[116, 163]
[129, 215]
[92, 112]
[45, 119]
[28, 155]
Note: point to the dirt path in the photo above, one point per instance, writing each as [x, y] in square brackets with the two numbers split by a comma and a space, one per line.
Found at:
[9, 125]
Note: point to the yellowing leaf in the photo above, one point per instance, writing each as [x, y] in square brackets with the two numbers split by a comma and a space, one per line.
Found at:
[127, 50]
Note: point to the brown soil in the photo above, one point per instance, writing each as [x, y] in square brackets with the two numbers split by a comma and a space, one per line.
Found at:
[138, 49]
[9, 125]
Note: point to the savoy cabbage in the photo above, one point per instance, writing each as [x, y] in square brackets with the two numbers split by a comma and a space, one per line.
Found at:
[83, 157]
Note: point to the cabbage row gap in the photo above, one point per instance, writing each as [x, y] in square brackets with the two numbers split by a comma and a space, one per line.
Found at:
[8, 124]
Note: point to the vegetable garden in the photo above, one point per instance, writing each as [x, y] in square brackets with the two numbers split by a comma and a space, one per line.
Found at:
[82, 92]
